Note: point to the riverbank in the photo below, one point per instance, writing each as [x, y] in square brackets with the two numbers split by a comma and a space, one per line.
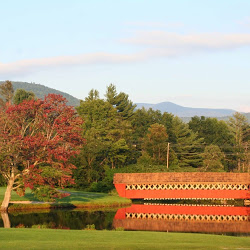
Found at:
[91, 239]
[76, 199]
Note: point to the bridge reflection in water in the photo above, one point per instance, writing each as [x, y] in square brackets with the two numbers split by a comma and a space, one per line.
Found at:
[184, 218]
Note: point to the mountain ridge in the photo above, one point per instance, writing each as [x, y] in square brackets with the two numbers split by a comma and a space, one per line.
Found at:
[182, 111]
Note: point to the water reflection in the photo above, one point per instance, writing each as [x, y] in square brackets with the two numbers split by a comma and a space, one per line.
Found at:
[6, 220]
[148, 217]
[179, 218]
[60, 219]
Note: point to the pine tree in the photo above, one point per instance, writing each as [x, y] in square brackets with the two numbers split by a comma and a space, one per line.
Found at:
[120, 101]
[186, 145]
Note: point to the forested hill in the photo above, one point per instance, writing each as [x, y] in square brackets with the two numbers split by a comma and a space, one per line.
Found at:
[186, 111]
[40, 91]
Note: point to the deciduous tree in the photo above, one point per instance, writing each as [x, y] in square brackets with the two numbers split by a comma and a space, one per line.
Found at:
[7, 92]
[240, 129]
[155, 143]
[37, 140]
[212, 158]
[21, 95]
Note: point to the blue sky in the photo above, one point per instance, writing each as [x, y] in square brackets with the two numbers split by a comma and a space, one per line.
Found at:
[195, 53]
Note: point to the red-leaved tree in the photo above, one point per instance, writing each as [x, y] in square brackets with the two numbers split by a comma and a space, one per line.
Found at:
[37, 140]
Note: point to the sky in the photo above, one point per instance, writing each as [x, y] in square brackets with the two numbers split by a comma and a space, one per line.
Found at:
[195, 53]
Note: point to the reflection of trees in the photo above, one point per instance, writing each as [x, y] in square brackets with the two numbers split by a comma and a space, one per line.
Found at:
[62, 219]
[6, 220]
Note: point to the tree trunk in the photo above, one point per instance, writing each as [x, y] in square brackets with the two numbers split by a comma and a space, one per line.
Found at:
[6, 220]
[7, 196]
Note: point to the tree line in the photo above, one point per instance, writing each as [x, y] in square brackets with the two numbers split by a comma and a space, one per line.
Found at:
[121, 138]
[117, 137]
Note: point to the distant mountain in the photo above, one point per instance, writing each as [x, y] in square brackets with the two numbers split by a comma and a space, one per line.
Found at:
[40, 91]
[186, 111]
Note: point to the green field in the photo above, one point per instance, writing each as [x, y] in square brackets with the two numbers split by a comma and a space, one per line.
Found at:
[76, 199]
[71, 239]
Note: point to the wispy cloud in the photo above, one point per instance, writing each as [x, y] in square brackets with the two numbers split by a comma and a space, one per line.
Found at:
[31, 65]
[162, 39]
[152, 44]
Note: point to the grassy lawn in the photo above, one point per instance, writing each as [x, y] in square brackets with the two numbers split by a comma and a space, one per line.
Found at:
[15, 197]
[77, 198]
[66, 239]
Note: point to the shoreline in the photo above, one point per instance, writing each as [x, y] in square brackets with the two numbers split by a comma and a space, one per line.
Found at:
[39, 206]
[76, 199]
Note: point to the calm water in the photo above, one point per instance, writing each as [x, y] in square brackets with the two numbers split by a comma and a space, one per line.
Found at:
[63, 219]
[147, 217]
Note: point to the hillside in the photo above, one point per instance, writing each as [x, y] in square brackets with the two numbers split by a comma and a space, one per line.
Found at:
[40, 91]
[186, 111]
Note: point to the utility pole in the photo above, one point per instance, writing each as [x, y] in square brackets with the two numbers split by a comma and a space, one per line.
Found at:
[168, 154]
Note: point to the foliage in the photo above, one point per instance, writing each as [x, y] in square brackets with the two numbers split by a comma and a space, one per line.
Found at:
[213, 131]
[240, 130]
[107, 146]
[2, 181]
[37, 140]
[123, 105]
[213, 158]
[155, 143]
[47, 193]
[90, 227]
[7, 92]
[186, 145]
[145, 159]
[21, 95]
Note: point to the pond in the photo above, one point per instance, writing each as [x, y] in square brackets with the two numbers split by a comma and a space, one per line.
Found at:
[195, 218]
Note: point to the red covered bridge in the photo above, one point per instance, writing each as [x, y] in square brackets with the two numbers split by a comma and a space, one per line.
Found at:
[183, 185]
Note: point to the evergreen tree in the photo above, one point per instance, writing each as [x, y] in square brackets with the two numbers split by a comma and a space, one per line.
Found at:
[121, 101]
[186, 144]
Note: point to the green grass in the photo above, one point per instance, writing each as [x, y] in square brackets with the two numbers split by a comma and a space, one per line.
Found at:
[74, 239]
[15, 197]
[76, 199]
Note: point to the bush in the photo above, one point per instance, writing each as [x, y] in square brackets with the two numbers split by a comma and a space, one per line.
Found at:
[46, 193]
[90, 227]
